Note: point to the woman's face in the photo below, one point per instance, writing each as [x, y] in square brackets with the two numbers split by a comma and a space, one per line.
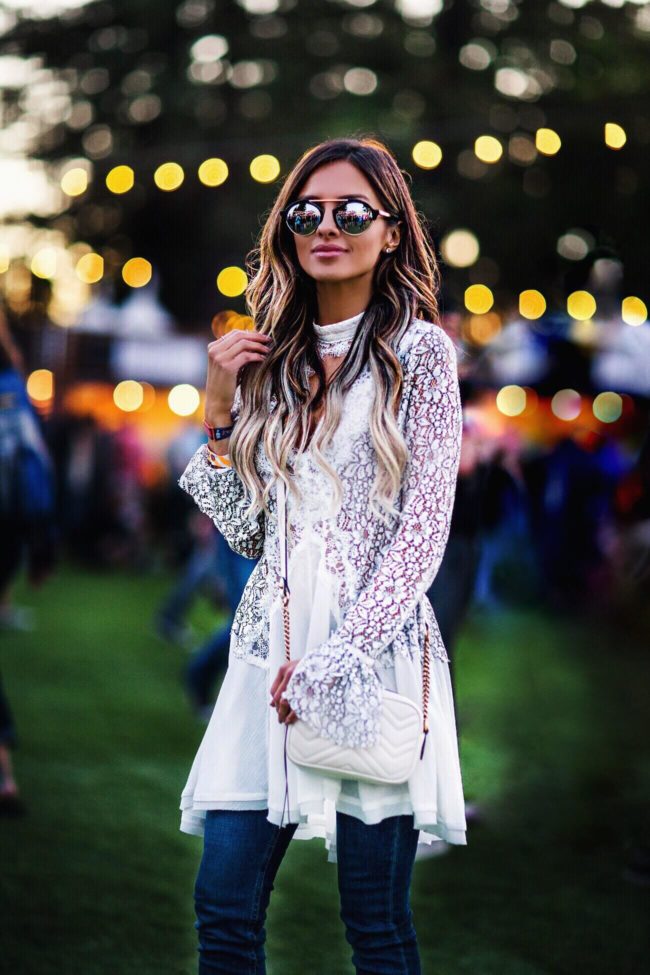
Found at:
[354, 255]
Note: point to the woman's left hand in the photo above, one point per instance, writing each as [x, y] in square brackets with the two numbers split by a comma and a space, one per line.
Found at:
[278, 687]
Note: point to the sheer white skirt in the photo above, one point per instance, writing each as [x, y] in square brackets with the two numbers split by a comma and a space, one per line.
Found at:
[240, 762]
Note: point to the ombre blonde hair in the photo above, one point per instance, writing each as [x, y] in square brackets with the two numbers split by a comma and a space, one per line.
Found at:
[281, 299]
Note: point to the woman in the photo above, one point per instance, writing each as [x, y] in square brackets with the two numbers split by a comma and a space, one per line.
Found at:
[349, 393]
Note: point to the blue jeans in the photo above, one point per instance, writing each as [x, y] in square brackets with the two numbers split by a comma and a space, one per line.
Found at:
[242, 851]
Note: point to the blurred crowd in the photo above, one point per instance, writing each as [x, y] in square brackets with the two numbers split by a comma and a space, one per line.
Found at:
[564, 523]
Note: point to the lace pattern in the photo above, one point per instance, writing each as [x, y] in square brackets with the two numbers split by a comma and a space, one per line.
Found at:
[381, 572]
[220, 494]
[405, 569]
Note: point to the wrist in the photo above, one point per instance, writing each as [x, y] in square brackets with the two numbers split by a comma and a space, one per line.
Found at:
[218, 416]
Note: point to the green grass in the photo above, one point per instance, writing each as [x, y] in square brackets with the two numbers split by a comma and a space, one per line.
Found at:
[98, 878]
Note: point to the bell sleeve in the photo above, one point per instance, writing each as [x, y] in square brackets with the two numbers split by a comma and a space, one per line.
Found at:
[335, 687]
[221, 495]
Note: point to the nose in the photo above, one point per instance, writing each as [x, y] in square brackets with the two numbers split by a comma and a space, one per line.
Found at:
[328, 223]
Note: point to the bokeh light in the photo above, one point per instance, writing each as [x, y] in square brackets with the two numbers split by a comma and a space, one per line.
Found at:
[482, 329]
[74, 182]
[44, 262]
[40, 385]
[90, 268]
[169, 176]
[128, 395]
[232, 281]
[615, 136]
[511, 400]
[532, 304]
[137, 272]
[184, 399]
[460, 248]
[264, 168]
[427, 155]
[213, 172]
[581, 305]
[607, 407]
[634, 311]
[478, 299]
[488, 148]
[209, 48]
[547, 141]
[120, 179]
[566, 404]
[148, 397]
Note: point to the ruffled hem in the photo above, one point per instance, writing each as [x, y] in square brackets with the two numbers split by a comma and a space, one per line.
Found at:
[316, 819]
[240, 763]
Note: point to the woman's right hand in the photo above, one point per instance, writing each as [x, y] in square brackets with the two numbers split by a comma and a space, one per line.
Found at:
[226, 356]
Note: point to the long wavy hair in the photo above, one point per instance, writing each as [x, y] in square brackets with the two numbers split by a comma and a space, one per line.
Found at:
[281, 299]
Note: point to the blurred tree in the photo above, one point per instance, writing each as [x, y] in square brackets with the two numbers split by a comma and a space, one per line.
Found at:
[144, 82]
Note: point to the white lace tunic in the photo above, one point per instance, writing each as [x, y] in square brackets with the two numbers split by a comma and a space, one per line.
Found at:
[358, 611]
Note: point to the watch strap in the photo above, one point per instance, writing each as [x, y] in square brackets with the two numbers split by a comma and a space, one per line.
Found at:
[217, 433]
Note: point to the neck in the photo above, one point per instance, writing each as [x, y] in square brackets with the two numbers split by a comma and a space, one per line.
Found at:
[338, 300]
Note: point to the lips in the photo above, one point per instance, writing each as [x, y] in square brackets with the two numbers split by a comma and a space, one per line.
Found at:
[323, 249]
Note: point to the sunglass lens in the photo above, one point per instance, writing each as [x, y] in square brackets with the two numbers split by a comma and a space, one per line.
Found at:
[354, 217]
[303, 218]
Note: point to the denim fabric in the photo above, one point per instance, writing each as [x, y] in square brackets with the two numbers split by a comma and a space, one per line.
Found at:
[242, 852]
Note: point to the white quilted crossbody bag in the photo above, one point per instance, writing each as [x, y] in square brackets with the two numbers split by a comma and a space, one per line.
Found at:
[403, 726]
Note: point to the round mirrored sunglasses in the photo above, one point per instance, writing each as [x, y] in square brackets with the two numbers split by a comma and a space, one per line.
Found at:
[352, 216]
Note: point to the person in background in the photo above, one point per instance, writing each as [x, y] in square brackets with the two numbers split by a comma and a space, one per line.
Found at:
[27, 529]
[209, 660]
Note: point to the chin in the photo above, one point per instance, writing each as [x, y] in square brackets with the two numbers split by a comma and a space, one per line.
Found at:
[330, 274]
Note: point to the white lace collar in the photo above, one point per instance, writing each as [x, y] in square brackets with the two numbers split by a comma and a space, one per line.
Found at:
[335, 339]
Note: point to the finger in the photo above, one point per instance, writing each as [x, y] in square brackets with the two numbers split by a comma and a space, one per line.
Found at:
[245, 358]
[275, 686]
[239, 336]
[275, 683]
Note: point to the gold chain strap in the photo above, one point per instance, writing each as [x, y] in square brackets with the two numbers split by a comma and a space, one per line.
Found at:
[426, 681]
[285, 616]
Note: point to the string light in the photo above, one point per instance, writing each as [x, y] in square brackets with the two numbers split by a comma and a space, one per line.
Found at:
[264, 168]
[232, 281]
[460, 248]
[213, 172]
[615, 136]
[488, 149]
[40, 385]
[184, 399]
[426, 155]
[90, 268]
[633, 311]
[532, 304]
[169, 176]
[120, 179]
[44, 262]
[137, 272]
[566, 404]
[128, 395]
[511, 400]
[607, 407]
[581, 305]
[478, 299]
[74, 182]
[547, 141]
